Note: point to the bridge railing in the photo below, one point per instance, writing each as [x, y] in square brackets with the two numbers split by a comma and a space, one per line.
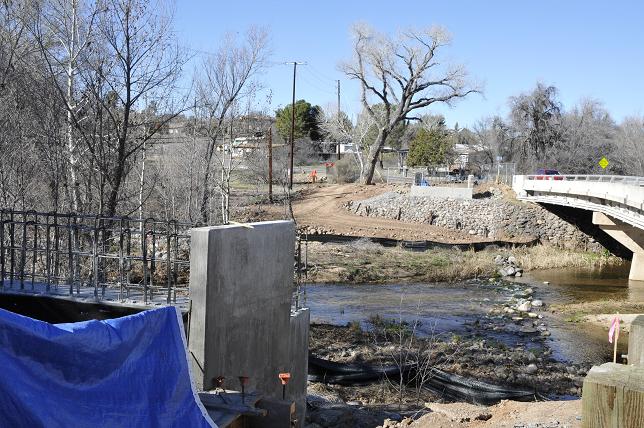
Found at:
[622, 179]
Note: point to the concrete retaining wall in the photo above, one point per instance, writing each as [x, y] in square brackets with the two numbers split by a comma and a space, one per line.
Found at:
[241, 280]
[441, 192]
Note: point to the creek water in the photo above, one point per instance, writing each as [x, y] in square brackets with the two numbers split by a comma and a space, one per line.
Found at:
[458, 308]
[580, 341]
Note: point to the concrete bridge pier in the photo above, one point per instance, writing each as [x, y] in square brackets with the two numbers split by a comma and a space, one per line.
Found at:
[629, 236]
[241, 321]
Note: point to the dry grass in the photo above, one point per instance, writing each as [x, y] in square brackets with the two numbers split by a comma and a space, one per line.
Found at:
[550, 257]
[365, 262]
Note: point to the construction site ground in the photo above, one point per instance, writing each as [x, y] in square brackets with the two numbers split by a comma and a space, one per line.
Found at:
[323, 209]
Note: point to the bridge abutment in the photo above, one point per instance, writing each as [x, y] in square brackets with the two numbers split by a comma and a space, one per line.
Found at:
[637, 267]
[629, 236]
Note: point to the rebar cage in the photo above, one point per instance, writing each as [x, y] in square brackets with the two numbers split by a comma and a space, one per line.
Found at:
[84, 255]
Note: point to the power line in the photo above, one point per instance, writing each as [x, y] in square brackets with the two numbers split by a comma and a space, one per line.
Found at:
[315, 86]
[320, 75]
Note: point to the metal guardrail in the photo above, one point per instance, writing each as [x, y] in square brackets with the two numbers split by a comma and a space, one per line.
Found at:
[622, 179]
[69, 253]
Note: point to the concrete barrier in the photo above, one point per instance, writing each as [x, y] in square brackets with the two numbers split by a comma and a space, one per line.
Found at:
[441, 192]
[241, 282]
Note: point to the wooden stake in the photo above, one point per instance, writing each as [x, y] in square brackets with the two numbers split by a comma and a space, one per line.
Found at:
[615, 340]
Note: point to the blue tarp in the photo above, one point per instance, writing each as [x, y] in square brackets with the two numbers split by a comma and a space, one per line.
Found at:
[124, 372]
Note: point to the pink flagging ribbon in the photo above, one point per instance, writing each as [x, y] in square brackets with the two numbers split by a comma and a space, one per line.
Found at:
[614, 330]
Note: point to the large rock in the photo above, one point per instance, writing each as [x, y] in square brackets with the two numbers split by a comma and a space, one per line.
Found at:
[531, 369]
[524, 307]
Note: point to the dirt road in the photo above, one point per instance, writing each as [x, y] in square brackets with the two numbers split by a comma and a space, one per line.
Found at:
[324, 209]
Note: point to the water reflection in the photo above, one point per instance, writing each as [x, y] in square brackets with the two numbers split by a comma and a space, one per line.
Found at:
[573, 285]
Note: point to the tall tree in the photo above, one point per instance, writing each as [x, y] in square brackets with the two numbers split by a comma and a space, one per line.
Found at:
[63, 31]
[588, 135]
[536, 118]
[404, 74]
[307, 117]
[227, 79]
[430, 147]
[138, 63]
[630, 145]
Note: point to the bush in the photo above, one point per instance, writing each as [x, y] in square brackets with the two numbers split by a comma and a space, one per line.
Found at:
[346, 170]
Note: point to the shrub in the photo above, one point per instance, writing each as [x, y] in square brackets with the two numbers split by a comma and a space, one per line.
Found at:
[346, 170]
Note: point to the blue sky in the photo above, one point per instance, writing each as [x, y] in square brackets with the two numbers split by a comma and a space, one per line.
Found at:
[588, 49]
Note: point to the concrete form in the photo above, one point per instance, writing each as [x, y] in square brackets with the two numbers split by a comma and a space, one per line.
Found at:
[636, 342]
[441, 192]
[241, 323]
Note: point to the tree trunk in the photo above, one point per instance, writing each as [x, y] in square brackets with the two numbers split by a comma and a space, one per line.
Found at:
[71, 146]
[205, 199]
[141, 185]
[374, 151]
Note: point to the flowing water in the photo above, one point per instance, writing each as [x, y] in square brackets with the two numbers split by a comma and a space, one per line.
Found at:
[583, 341]
[454, 308]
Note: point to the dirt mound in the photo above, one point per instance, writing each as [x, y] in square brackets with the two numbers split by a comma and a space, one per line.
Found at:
[505, 414]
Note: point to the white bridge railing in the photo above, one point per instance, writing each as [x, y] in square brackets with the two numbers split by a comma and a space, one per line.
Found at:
[619, 196]
[622, 179]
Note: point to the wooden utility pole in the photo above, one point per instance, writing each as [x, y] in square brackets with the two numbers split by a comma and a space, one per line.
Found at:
[270, 165]
[339, 116]
[290, 179]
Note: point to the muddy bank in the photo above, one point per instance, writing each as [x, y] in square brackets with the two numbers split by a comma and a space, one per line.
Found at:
[362, 261]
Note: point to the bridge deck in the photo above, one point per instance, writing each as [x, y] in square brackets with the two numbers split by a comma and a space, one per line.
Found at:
[620, 197]
[112, 296]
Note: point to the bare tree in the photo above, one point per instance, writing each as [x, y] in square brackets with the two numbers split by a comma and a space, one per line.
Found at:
[137, 65]
[630, 145]
[360, 135]
[588, 135]
[63, 30]
[29, 136]
[227, 78]
[536, 117]
[403, 74]
[496, 140]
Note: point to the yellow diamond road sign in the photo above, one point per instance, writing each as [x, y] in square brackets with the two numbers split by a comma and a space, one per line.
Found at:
[603, 163]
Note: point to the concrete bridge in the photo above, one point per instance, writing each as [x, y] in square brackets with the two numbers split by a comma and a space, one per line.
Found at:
[617, 203]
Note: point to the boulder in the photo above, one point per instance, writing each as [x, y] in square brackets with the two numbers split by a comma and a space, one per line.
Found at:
[524, 307]
[531, 369]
